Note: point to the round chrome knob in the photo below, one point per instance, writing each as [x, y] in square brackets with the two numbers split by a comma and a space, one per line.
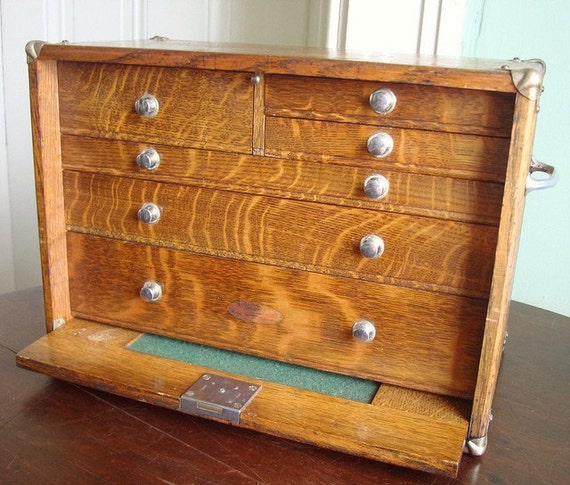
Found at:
[376, 186]
[380, 144]
[383, 101]
[364, 331]
[147, 105]
[149, 213]
[149, 159]
[151, 291]
[371, 246]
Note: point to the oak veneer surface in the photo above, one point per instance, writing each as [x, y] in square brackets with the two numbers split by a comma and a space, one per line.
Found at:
[324, 238]
[320, 312]
[417, 105]
[94, 99]
[446, 197]
[54, 432]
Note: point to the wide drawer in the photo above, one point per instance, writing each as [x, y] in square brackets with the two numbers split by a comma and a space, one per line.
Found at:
[451, 154]
[446, 109]
[423, 339]
[419, 251]
[198, 108]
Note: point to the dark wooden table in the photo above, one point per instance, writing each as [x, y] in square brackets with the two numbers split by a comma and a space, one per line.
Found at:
[52, 432]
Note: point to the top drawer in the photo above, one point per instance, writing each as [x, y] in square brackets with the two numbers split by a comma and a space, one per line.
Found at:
[197, 108]
[416, 106]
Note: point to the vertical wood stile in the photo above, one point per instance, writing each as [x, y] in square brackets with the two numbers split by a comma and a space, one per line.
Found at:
[259, 115]
[49, 189]
[505, 258]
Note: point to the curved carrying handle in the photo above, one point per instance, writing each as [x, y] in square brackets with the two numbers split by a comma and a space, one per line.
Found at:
[535, 184]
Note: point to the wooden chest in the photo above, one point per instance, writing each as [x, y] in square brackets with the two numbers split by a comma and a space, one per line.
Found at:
[350, 217]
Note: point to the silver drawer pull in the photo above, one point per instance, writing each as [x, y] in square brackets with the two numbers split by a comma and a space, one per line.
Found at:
[147, 105]
[383, 101]
[151, 292]
[149, 213]
[376, 186]
[364, 331]
[148, 159]
[371, 246]
[380, 144]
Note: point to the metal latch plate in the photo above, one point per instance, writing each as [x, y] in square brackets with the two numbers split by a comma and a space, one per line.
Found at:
[218, 397]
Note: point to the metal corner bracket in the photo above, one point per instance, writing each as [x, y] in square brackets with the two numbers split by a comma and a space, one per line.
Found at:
[527, 76]
[476, 446]
[33, 49]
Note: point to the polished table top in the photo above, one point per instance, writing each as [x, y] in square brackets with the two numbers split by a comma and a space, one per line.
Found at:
[52, 432]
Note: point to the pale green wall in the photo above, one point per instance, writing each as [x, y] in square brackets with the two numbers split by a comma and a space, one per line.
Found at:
[527, 29]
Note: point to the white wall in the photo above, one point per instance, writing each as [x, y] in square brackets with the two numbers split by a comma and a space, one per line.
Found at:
[408, 26]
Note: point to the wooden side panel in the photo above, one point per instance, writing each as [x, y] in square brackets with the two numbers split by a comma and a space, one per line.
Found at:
[424, 339]
[94, 355]
[448, 154]
[203, 109]
[443, 197]
[451, 256]
[504, 268]
[433, 107]
[49, 189]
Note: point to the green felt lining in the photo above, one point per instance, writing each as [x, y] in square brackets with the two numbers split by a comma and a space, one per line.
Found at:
[338, 385]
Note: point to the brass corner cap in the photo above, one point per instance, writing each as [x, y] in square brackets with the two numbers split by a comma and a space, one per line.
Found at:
[527, 76]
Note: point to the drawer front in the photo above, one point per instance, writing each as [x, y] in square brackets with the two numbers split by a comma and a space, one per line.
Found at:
[198, 108]
[423, 339]
[449, 198]
[433, 107]
[467, 156]
[419, 251]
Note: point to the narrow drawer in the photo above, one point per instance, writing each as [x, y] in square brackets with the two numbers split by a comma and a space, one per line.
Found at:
[198, 108]
[445, 197]
[449, 154]
[419, 251]
[423, 340]
[412, 105]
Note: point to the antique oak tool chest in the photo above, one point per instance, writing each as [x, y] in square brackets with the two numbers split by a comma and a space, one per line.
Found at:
[343, 227]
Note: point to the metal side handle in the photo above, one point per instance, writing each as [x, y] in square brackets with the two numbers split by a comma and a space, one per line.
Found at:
[542, 183]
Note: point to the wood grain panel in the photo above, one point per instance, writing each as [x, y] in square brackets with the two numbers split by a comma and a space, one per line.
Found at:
[459, 72]
[49, 189]
[93, 354]
[444, 197]
[203, 109]
[433, 107]
[449, 154]
[503, 273]
[451, 256]
[424, 340]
